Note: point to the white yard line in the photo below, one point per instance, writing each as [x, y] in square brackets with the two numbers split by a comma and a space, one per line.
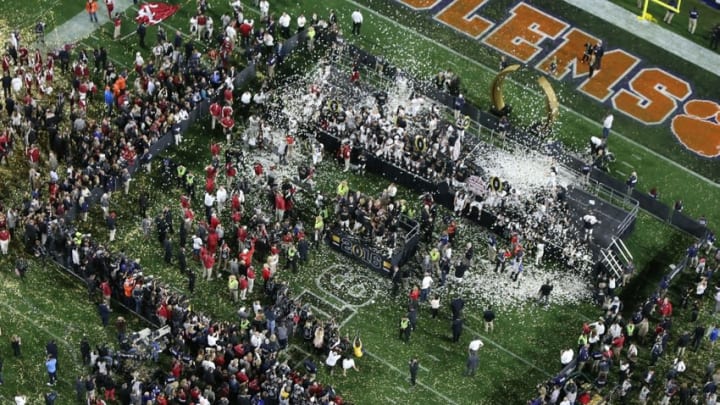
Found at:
[577, 114]
[485, 338]
[58, 339]
[376, 357]
[420, 383]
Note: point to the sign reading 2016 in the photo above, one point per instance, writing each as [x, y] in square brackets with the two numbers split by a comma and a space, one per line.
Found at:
[362, 253]
[649, 95]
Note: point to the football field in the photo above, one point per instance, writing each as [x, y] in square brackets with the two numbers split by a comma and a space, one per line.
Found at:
[645, 90]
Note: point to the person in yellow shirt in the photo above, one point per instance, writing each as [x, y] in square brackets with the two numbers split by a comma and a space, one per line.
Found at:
[319, 228]
[233, 287]
[343, 189]
[357, 347]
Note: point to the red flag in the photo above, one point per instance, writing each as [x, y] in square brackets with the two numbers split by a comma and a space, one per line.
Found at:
[153, 13]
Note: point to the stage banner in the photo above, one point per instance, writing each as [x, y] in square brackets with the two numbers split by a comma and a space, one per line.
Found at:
[475, 185]
[360, 251]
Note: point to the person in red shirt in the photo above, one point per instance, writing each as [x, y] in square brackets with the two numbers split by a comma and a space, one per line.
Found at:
[258, 168]
[246, 256]
[355, 76]
[243, 285]
[214, 150]
[177, 368]
[202, 25]
[279, 206]
[665, 307]
[4, 241]
[245, 30]
[210, 184]
[214, 221]
[208, 260]
[212, 241]
[617, 345]
[242, 235]
[117, 23]
[250, 274]
[189, 218]
[230, 173]
[33, 155]
[110, 4]
[346, 153]
[266, 273]
[414, 295]
[106, 292]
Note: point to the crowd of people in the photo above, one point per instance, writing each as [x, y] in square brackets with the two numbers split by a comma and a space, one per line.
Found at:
[239, 362]
[213, 362]
[622, 355]
[404, 129]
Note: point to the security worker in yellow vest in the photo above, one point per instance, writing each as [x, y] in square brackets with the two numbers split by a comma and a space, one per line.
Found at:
[190, 185]
[181, 171]
[292, 258]
[318, 228]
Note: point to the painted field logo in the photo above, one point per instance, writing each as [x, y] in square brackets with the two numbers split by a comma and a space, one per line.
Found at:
[699, 128]
[649, 95]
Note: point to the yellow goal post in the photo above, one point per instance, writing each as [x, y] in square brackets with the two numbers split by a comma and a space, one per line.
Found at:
[664, 4]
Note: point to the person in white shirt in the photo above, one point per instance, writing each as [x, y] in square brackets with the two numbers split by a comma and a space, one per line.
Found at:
[209, 202]
[589, 221]
[194, 25]
[231, 34]
[347, 364]
[284, 23]
[20, 399]
[599, 327]
[427, 282]
[268, 41]
[332, 360]
[475, 345]
[607, 124]
[539, 252]
[182, 115]
[264, 9]
[566, 356]
[357, 20]
[301, 21]
[221, 197]
[246, 98]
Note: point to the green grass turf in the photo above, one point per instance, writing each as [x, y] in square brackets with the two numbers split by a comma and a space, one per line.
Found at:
[513, 377]
[23, 15]
[47, 305]
[385, 369]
